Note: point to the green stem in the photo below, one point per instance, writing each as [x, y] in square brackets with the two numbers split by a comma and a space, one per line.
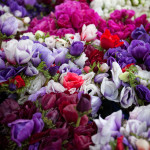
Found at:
[78, 121]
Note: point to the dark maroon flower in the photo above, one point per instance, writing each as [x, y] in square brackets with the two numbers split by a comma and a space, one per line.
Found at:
[27, 110]
[53, 115]
[48, 101]
[84, 103]
[8, 111]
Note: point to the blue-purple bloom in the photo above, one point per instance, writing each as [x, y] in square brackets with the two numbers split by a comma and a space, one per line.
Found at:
[76, 70]
[31, 70]
[76, 48]
[9, 26]
[22, 129]
[147, 63]
[143, 92]
[139, 49]
[138, 32]
[53, 70]
[99, 78]
[2, 64]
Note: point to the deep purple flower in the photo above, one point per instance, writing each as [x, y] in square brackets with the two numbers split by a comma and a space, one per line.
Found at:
[10, 26]
[84, 103]
[34, 146]
[53, 115]
[29, 2]
[2, 64]
[53, 70]
[22, 129]
[76, 48]
[143, 92]
[24, 37]
[12, 87]
[144, 37]
[110, 60]
[139, 49]
[147, 63]
[137, 32]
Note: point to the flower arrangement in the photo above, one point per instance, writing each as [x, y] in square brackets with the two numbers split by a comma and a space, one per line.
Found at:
[72, 80]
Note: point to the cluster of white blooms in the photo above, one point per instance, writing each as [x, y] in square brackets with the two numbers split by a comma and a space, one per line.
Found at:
[105, 7]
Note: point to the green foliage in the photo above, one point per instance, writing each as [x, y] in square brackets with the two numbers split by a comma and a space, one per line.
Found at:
[42, 68]
[113, 144]
[73, 58]
[56, 77]
[4, 36]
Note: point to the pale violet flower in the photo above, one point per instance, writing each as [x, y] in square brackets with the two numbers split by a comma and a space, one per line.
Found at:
[54, 87]
[116, 71]
[109, 90]
[99, 78]
[30, 35]
[108, 128]
[37, 83]
[127, 97]
[81, 60]
[50, 42]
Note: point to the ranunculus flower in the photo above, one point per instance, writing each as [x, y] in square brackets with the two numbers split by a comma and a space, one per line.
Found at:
[84, 103]
[72, 80]
[19, 81]
[127, 97]
[143, 92]
[139, 49]
[88, 32]
[76, 48]
[48, 101]
[8, 111]
[110, 41]
[109, 90]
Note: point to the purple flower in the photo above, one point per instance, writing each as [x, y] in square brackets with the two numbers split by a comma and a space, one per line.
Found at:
[36, 58]
[110, 60]
[99, 78]
[29, 2]
[76, 70]
[53, 70]
[31, 70]
[143, 92]
[53, 115]
[2, 64]
[76, 48]
[147, 63]
[10, 26]
[22, 129]
[60, 55]
[34, 146]
[127, 97]
[12, 87]
[46, 54]
[139, 49]
[137, 32]
[84, 103]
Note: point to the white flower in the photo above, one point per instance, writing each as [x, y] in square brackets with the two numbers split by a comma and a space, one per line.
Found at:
[30, 35]
[88, 77]
[26, 20]
[116, 71]
[54, 87]
[104, 67]
[96, 42]
[142, 144]
[88, 32]
[50, 42]
[40, 40]
[109, 90]
[81, 60]
[21, 26]
[39, 34]
[37, 83]
[10, 50]
[61, 43]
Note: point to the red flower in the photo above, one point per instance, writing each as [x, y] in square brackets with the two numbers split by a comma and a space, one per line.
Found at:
[19, 81]
[127, 67]
[110, 41]
[72, 80]
[120, 143]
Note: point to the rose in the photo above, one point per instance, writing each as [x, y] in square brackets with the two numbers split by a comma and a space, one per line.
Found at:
[109, 90]
[72, 80]
[110, 41]
[88, 32]
[76, 48]
[8, 111]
